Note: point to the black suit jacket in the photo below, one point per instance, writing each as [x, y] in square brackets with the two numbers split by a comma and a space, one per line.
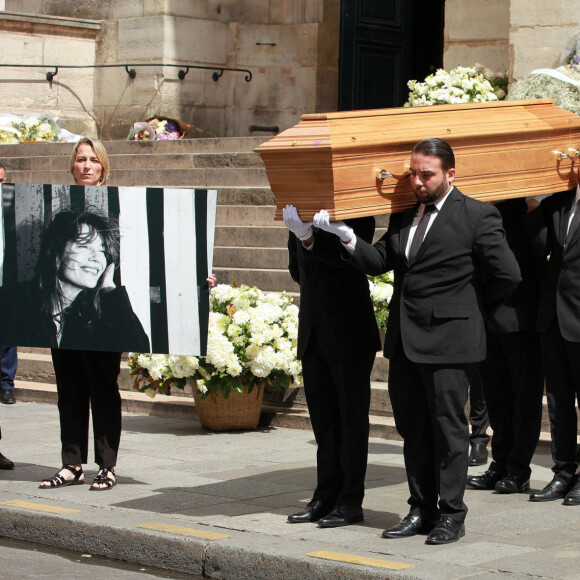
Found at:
[560, 291]
[463, 266]
[519, 311]
[334, 298]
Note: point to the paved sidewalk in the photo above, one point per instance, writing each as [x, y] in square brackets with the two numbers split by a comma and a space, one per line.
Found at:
[215, 504]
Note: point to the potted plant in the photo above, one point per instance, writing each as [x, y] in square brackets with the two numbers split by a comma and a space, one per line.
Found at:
[251, 345]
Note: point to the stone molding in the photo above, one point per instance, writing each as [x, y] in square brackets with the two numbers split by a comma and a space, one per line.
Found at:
[50, 25]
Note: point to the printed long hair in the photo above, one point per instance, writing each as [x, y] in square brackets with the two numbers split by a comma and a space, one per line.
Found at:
[65, 228]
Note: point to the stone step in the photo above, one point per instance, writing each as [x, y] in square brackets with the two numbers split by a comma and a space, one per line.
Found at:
[180, 146]
[266, 279]
[228, 257]
[210, 178]
[139, 161]
[246, 196]
[184, 407]
[272, 236]
[249, 215]
[188, 162]
[35, 365]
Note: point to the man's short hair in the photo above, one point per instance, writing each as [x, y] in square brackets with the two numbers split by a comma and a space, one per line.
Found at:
[435, 147]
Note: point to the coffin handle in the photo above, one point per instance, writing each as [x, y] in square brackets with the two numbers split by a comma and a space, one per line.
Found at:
[383, 174]
[560, 155]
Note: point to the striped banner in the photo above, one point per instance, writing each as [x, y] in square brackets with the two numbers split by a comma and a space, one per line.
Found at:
[166, 251]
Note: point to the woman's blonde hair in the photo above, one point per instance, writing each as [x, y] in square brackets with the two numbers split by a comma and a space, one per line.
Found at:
[102, 156]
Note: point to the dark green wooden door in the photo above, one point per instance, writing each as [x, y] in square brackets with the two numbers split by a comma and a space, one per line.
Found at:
[383, 44]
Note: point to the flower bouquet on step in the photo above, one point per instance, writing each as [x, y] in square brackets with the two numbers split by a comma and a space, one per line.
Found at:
[251, 343]
[37, 129]
[141, 131]
[169, 129]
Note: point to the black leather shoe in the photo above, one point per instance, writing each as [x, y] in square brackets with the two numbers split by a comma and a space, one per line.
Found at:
[5, 463]
[486, 480]
[342, 515]
[512, 484]
[410, 525]
[7, 397]
[313, 512]
[478, 455]
[446, 531]
[554, 490]
[573, 496]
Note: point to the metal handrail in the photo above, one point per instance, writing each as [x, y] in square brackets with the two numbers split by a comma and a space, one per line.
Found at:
[184, 69]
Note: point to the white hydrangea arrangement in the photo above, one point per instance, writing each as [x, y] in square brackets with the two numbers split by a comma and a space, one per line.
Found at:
[561, 84]
[460, 85]
[252, 341]
[381, 290]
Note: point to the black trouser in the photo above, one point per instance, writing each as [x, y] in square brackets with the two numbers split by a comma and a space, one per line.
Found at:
[513, 380]
[478, 415]
[429, 408]
[88, 380]
[562, 368]
[338, 397]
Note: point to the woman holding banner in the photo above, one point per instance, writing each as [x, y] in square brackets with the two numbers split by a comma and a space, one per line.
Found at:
[82, 251]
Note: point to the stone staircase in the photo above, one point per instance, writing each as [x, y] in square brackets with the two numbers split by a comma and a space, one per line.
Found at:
[250, 248]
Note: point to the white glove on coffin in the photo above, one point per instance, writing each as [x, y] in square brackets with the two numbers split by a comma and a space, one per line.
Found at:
[322, 220]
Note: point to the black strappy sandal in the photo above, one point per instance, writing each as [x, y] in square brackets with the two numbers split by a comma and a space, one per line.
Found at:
[58, 480]
[103, 478]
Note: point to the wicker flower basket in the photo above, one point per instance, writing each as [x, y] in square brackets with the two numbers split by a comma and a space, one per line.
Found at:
[238, 411]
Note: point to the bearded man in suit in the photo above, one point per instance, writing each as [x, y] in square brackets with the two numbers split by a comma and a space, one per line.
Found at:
[555, 233]
[451, 262]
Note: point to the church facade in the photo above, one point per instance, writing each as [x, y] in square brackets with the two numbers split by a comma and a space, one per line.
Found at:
[252, 67]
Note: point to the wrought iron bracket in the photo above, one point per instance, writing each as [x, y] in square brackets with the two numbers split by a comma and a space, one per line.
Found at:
[218, 71]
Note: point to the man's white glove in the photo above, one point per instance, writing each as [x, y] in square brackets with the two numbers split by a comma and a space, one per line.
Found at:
[302, 230]
[322, 220]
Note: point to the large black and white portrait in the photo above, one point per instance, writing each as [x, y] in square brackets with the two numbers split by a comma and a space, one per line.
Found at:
[106, 268]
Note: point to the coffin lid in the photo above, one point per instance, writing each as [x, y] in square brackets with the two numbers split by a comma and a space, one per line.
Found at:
[503, 149]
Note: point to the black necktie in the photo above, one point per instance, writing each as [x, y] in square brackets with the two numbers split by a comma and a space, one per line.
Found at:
[420, 231]
[573, 224]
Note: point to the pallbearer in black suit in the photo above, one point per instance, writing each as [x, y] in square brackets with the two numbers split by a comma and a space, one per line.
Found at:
[512, 373]
[554, 229]
[451, 261]
[338, 340]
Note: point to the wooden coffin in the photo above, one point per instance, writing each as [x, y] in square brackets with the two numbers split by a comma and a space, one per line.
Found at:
[504, 149]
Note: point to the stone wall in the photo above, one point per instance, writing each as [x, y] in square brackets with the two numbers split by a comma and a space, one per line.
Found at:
[514, 36]
[290, 47]
[539, 31]
[477, 32]
[49, 40]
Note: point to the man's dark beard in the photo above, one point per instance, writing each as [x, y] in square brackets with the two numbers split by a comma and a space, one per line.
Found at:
[439, 192]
